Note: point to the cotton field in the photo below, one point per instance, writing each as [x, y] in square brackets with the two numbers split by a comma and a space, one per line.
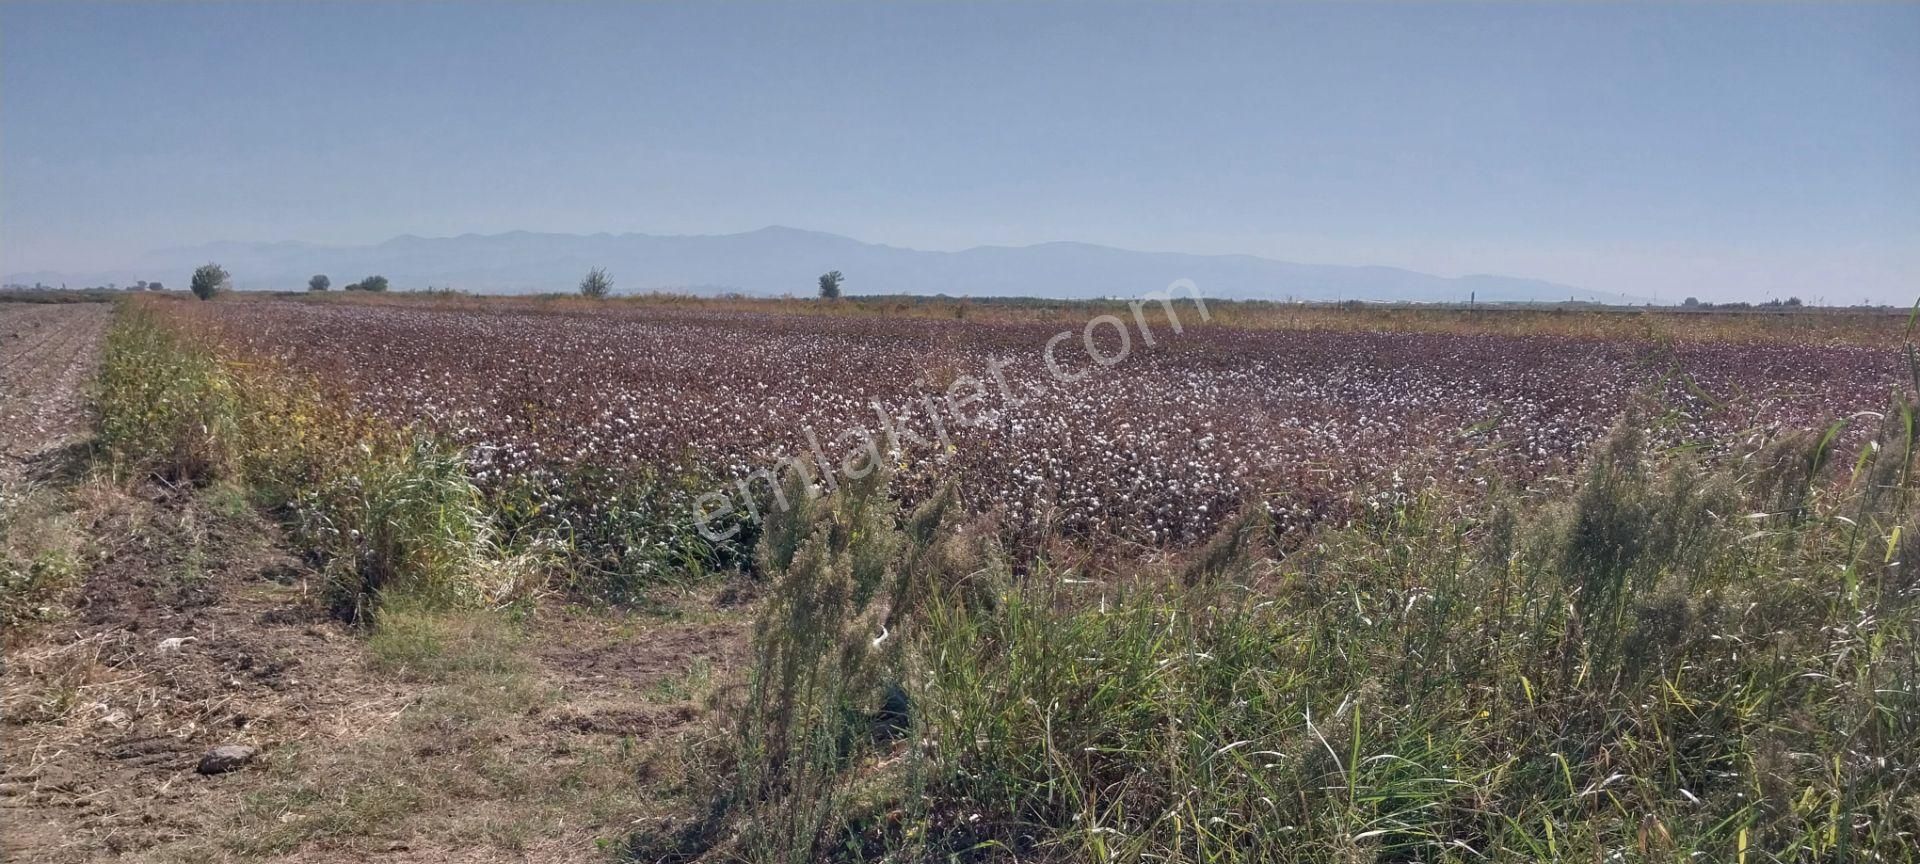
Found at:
[1118, 430]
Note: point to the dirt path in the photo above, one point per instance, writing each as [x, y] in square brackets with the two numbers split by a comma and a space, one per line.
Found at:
[189, 630]
[48, 352]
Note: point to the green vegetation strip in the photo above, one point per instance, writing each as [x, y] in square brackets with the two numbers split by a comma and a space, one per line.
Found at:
[383, 510]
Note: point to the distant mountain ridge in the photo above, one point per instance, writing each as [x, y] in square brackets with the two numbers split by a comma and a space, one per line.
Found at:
[779, 260]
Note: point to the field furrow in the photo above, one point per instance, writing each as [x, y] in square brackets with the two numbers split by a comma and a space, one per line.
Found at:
[47, 356]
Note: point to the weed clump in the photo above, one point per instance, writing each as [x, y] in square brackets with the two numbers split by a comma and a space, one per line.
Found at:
[829, 692]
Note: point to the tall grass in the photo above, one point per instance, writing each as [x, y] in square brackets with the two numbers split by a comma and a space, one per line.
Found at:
[1663, 663]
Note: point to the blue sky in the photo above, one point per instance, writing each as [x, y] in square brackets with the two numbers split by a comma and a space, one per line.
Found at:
[1717, 150]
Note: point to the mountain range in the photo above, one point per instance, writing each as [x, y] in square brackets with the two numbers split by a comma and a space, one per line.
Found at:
[778, 260]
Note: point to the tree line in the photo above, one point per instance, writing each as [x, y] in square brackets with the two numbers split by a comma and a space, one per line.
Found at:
[210, 279]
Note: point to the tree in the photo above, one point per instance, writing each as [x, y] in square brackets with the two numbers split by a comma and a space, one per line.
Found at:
[830, 285]
[597, 284]
[376, 284]
[155, 286]
[1691, 303]
[208, 280]
[319, 282]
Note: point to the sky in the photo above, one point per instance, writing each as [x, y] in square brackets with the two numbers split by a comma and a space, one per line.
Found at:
[1714, 150]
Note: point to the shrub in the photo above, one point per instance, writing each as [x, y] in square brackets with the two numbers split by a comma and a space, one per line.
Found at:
[596, 285]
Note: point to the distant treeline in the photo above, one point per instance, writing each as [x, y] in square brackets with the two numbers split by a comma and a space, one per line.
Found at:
[41, 293]
[42, 287]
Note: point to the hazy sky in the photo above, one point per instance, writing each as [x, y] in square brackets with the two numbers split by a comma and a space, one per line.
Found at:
[1715, 150]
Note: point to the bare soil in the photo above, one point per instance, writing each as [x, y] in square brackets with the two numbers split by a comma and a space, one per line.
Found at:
[187, 633]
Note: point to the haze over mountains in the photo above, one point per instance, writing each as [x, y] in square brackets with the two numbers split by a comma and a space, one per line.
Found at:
[777, 260]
